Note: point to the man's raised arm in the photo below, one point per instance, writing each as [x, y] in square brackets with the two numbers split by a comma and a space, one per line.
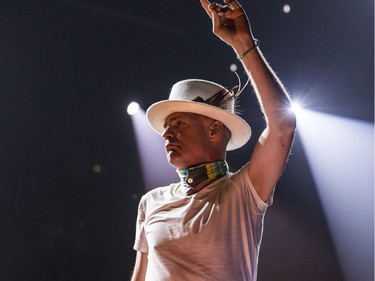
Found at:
[270, 154]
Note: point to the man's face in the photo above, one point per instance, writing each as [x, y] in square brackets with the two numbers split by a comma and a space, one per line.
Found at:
[187, 139]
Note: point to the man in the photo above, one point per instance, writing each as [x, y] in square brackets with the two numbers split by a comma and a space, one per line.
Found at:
[209, 226]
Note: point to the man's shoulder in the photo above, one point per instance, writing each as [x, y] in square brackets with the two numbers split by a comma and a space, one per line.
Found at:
[159, 191]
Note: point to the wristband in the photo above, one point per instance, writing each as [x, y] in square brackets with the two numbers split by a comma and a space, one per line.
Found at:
[256, 42]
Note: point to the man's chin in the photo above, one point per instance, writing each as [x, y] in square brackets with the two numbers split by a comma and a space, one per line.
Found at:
[175, 160]
[171, 157]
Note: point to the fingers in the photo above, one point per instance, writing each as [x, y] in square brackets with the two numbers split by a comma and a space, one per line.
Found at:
[214, 14]
[222, 15]
[233, 3]
[213, 11]
[221, 9]
[205, 4]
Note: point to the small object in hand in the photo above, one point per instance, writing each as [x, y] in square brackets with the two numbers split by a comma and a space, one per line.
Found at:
[220, 8]
[224, 9]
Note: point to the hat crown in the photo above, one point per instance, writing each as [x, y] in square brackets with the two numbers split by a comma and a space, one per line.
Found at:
[197, 90]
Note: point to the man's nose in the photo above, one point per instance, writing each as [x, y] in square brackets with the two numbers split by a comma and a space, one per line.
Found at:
[167, 133]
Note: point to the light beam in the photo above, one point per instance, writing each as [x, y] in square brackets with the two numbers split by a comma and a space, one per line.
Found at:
[340, 152]
[155, 167]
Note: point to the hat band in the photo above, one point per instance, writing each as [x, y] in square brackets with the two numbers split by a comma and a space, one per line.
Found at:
[222, 99]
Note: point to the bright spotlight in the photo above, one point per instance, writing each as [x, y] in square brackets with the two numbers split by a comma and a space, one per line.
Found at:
[133, 108]
[296, 108]
[233, 67]
[286, 9]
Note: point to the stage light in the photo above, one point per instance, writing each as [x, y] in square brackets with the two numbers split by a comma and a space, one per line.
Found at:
[97, 169]
[133, 108]
[233, 67]
[286, 8]
[296, 108]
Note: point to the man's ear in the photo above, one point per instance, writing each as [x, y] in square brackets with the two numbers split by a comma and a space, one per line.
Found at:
[216, 127]
[214, 130]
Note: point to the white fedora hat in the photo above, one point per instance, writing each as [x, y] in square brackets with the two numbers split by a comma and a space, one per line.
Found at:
[205, 98]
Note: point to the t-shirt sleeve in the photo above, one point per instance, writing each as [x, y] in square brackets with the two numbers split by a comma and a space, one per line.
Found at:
[140, 243]
[246, 183]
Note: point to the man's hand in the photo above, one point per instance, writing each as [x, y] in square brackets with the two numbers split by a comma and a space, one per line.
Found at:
[230, 24]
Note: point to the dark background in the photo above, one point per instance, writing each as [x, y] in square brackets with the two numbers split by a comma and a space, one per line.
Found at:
[69, 68]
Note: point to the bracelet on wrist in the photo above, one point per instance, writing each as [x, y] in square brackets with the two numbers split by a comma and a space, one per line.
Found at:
[256, 44]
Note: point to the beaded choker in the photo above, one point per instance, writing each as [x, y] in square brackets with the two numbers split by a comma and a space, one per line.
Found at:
[193, 176]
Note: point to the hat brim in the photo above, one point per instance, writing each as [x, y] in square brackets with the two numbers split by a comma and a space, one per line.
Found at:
[239, 128]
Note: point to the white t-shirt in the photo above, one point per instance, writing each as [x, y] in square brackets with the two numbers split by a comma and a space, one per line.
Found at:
[214, 234]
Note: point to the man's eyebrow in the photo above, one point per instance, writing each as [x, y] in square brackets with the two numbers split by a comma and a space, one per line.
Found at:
[174, 118]
[170, 120]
